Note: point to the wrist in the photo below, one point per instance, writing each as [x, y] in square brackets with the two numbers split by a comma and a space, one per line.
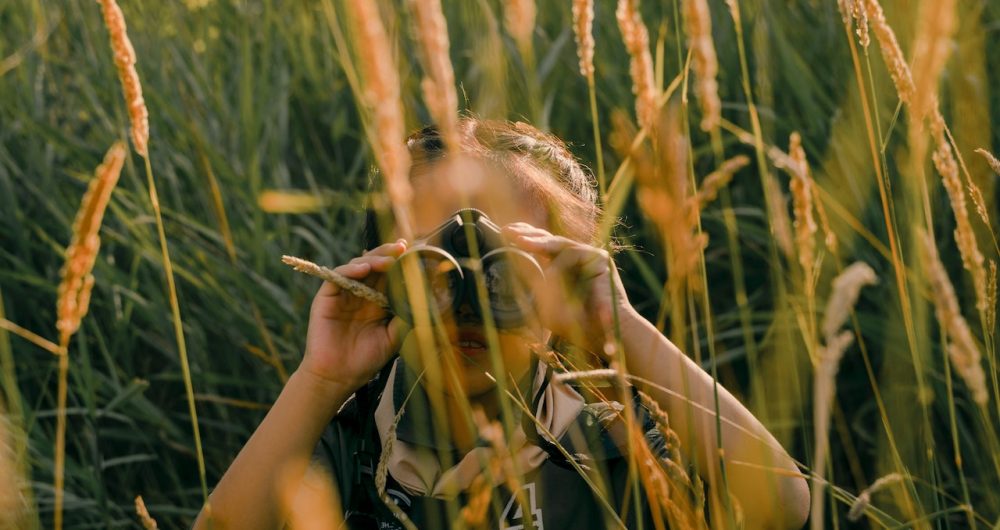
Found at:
[324, 394]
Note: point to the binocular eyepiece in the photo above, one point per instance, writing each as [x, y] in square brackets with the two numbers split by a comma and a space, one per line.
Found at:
[462, 260]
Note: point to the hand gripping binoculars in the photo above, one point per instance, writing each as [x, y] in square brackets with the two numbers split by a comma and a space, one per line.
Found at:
[466, 249]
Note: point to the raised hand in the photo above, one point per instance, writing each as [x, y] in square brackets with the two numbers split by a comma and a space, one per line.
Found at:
[350, 338]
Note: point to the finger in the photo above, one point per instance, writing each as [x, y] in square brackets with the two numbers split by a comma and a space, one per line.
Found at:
[378, 263]
[388, 249]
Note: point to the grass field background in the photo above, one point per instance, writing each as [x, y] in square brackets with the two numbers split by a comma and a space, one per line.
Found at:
[251, 96]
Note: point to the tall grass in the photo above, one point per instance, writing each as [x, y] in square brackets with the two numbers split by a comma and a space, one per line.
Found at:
[257, 96]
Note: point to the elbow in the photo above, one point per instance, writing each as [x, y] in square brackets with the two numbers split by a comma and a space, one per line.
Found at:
[796, 504]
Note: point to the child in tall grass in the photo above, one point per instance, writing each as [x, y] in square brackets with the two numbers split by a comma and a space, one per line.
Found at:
[485, 436]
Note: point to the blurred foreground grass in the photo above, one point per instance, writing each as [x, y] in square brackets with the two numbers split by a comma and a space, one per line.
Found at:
[251, 96]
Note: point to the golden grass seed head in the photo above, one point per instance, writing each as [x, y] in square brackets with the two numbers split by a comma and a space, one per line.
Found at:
[802, 208]
[965, 238]
[519, 18]
[931, 48]
[438, 85]
[863, 501]
[962, 348]
[698, 24]
[124, 57]
[382, 94]
[636, 39]
[583, 31]
[720, 178]
[148, 523]
[76, 281]
[899, 68]
[844, 296]
[991, 160]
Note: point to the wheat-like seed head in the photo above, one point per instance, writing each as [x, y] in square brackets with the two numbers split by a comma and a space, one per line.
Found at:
[943, 155]
[846, 288]
[76, 280]
[719, 178]
[863, 501]
[354, 287]
[583, 31]
[438, 84]
[899, 69]
[962, 348]
[381, 90]
[931, 48]
[124, 56]
[991, 160]
[519, 18]
[140, 509]
[636, 39]
[698, 24]
[802, 208]
[965, 237]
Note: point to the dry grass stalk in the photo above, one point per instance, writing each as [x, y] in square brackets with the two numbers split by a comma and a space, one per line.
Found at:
[636, 39]
[864, 500]
[802, 209]
[354, 287]
[519, 18]
[438, 84]
[991, 160]
[899, 69]
[583, 31]
[124, 56]
[719, 178]
[13, 505]
[140, 509]
[846, 288]
[602, 375]
[829, 238]
[76, 280]
[991, 298]
[962, 348]
[698, 24]
[30, 336]
[935, 24]
[382, 95]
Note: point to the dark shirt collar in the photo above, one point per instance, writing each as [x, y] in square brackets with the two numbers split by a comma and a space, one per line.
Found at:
[416, 425]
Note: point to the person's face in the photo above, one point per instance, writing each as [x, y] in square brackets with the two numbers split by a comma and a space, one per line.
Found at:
[439, 190]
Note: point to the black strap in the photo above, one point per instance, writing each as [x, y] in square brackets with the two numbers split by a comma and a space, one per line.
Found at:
[367, 453]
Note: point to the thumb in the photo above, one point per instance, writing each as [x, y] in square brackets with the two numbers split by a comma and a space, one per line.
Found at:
[397, 329]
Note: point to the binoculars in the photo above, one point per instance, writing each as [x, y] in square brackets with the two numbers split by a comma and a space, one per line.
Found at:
[463, 251]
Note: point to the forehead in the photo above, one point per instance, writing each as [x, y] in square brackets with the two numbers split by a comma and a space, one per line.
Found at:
[441, 188]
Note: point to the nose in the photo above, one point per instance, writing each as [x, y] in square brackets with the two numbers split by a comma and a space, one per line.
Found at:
[466, 313]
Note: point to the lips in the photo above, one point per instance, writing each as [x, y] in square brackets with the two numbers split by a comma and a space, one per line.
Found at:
[470, 341]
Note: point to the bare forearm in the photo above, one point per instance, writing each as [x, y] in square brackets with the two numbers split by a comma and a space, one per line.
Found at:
[759, 472]
[249, 495]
